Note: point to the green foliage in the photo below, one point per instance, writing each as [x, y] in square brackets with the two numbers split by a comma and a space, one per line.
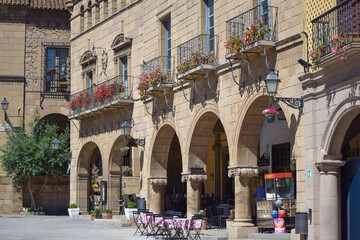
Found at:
[29, 153]
[73, 205]
[203, 212]
[131, 205]
[107, 211]
[195, 165]
[95, 212]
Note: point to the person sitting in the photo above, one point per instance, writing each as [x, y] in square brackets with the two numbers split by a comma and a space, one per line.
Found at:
[259, 194]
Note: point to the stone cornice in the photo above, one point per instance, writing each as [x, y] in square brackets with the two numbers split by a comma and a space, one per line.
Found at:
[193, 177]
[243, 171]
[329, 166]
[154, 180]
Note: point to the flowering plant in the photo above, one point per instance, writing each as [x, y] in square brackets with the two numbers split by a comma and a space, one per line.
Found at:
[317, 53]
[339, 47]
[232, 214]
[152, 79]
[126, 171]
[105, 91]
[24, 209]
[193, 61]
[270, 112]
[203, 212]
[252, 34]
[95, 212]
[81, 100]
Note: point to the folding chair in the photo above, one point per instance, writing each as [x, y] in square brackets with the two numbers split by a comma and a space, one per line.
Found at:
[195, 225]
[138, 223]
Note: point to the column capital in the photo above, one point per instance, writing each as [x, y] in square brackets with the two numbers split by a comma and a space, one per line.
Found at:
[243, 171]
[329, 166]
[193, 177]
[161, 181]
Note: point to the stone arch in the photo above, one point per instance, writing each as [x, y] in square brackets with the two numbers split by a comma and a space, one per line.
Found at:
[337, 126]
[248, 131]
[88, 154]
[59, 119]
[201, 128]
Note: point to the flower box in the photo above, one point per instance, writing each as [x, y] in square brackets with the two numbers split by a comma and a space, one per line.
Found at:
[196, 169]
[106, 215]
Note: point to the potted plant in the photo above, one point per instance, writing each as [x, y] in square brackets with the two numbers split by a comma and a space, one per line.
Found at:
[204, 223]
[95, 214]
[270, 114]
[106, 214]
[124, 150]
[196, 168]
[131, 207]
[126, 171]
[231, 218]
[73, 211]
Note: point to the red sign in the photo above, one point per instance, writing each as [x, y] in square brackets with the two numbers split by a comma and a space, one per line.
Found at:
[278, 175]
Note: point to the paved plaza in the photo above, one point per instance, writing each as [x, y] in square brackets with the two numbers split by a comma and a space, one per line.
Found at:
[59, 227]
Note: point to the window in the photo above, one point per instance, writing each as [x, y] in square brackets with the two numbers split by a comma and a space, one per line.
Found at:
[98, 164]
[210, 26]
[56, 67]
[167, 27]
[124, 74]
[280, 157]
[127, 159]
[89, 79]
[265, 12]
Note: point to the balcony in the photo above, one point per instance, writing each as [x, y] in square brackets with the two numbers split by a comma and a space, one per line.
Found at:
[335, 31]
[252, 32]
[157, 75]
[107, 95]
[197, 57]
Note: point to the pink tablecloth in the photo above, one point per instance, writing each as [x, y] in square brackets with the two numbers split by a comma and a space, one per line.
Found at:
[175, 223]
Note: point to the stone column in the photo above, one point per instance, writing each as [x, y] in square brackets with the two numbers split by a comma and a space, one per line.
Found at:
[83, 193]
[157, 194]
[329, 198]
[114, 191]
[193, 191]
[243, 220]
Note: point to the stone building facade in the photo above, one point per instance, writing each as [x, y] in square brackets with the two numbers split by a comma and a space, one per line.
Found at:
[33, 36]
[209, 116]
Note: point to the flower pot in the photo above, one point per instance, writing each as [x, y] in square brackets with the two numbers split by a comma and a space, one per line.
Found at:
[270, 118]
[129, 213]
[106, 215]
[74, 212]
[204, 224]
[93, 217]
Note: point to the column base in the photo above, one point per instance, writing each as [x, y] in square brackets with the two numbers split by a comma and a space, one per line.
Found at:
[241, 228]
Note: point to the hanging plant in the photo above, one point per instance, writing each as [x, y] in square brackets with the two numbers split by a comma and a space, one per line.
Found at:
[270, 114]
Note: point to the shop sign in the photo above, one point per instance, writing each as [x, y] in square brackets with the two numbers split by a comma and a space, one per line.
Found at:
[123, 184]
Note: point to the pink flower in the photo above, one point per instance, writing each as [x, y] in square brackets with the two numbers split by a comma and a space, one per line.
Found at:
[344, 47]
[342, 58]
[333, 51]
[335, 37]
[314, 56]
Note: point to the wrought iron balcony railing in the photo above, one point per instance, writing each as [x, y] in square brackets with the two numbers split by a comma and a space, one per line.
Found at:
[164, 64]
[341, 21]
[109, 92]
[261, 16]
[202, 49]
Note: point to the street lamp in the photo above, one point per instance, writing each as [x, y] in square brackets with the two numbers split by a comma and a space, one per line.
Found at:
[55, 144]
[272, 81]
[5, 105]
[125, 131]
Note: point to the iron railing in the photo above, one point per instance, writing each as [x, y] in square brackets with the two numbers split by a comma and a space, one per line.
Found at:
[342, 21]
[164, 64]
[202, 49]
[264, 13]
[119, 87]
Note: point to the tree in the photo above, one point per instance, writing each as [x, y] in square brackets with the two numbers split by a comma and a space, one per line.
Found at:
[28, 153]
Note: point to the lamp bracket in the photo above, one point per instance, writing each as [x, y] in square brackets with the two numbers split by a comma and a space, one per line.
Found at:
[296, 103]
[137, 141]
[265, 55]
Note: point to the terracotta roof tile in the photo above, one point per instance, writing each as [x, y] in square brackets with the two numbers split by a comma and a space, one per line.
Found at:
[37, 4]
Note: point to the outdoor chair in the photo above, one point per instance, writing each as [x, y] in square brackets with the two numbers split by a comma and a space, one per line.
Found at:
[139, 225]
[196, 226]
[214, 219]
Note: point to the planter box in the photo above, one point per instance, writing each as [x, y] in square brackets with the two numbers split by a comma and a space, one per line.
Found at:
[129, 213]
[74, 212]
[106, 215]
[196, 169]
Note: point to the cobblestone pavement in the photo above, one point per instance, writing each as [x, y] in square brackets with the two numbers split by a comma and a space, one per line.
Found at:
[60, 227]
